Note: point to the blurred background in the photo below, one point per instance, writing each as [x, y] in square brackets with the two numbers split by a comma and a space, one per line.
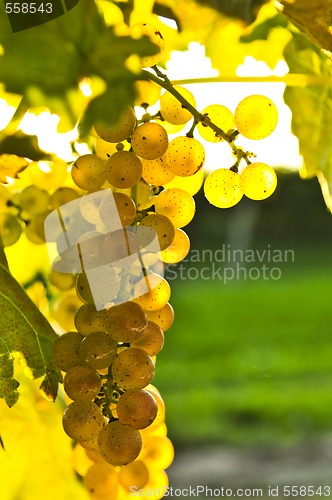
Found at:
[246, 369]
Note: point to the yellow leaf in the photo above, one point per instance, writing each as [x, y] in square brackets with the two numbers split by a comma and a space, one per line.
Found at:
[10, 166]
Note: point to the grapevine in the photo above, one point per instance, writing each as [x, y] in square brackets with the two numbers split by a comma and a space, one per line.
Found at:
[133, 196]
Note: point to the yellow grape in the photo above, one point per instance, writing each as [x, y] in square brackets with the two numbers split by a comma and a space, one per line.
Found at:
[80, 461]
[156, 172]
[87, 320]
[34, 201]
[172, 110]
[119, 444]
[10, 229]
[158, 484]
[137, 409]
[82, 383]
[140, 29]
[121, 130]
[124, 169]
[152, 292]
[158, 225]
[147, 92]
[134, 475]
[178, 249]
[258, 181]
[98, 350]
[160, 452]
[62, 196]
[83, 289]
[220, 116]
[160, 418]
[222, 188]
[256, 117]
[120, 246]
[163, 317]
[101, 479]
[48, 174]
[184, 156]
[133, 369]
[35, 230]
[63, 281]
[149, 140]
[66, 350]
[152, 339]
[117, 204]
[126, 322]
[82, 420]
[177, 205]
[143, 197]
[191, 184]
[89, 172]
[64, 311]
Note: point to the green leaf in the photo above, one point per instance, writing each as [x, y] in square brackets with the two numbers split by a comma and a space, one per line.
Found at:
[45, 64]
[311, 107]
[261, 31]
[24, 330]
[23, 145]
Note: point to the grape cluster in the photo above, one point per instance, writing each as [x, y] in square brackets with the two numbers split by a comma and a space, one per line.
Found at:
[108, 353]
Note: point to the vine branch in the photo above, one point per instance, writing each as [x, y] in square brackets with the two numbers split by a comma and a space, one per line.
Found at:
[164, 82]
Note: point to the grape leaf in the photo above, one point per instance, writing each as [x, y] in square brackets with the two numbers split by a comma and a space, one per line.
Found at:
[25, 146]
[311, 107]
[10, 166]
[24, 330]
[45, 64]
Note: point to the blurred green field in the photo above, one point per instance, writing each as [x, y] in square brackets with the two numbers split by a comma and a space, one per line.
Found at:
[250, 362]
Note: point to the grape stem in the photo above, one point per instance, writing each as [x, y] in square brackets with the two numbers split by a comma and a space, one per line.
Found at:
[161, 79]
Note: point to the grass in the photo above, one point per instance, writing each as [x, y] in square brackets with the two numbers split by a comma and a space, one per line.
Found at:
[250, 362]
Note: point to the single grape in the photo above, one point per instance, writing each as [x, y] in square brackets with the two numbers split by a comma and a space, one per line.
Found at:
[177, 205]
[152, 340]
[140, 29]
[126, 322]
[62, 196]
[137, 409]
[89, 172]
[48, 175]
[157, 225]
[220, 116]
[10, 229]
[184, 156]
[160, 452]
[222, 188]
[171, 108]
[258, 181]
[134, 475]
[160, 418]
[80, 461]
[178, 249]
[66, 350]
[82, 383]
[121, 130]
[63, 281]
[65, 309]
[156, 172]
[256, 117]
[124, 169]
[119, 444]
[117, 205]
[152, 292]
[144, 196]
[83, 289]
[149, 140]
[82, 420]
[191, 184]
[98, 350]
[87, 320]
[34, 201]
[163, 317]
[120, 248]
[89, 206]
[147, 93]
[133, 369]
[100, 480]
[35, 229]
